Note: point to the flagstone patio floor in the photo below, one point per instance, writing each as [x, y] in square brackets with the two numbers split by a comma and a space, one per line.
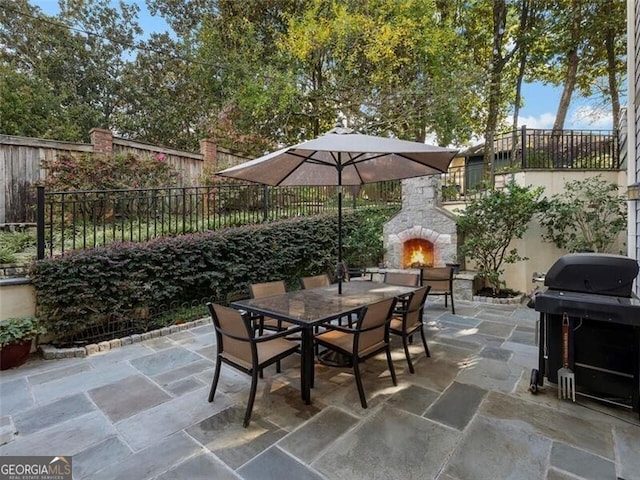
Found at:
[140, 412]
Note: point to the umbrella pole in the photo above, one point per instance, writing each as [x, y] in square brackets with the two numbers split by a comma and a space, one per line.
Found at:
[340, 269]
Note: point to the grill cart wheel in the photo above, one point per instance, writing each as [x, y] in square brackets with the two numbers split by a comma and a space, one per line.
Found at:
[533, 383]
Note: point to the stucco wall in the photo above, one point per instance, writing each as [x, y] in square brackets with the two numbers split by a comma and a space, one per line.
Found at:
[542, 254]
[17, 298]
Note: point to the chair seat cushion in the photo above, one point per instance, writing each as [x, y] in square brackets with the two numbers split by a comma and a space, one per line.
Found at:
[341, 340]
[273, 348]
[344, 341]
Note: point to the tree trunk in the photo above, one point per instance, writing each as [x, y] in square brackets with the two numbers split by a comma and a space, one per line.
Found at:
[567, 91]
[525, 21]
[495, 91]
[611, 73]
[572, 67]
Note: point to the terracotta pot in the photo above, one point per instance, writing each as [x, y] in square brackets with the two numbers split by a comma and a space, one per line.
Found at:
[14, 355]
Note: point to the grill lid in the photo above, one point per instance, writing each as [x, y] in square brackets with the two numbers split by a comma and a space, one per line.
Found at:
[599, 273]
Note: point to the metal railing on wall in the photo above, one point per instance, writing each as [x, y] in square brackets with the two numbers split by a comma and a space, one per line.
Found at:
[74, 220]
[533, 149]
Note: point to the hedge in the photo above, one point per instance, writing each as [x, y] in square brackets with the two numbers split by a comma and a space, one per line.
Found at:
[82, 289]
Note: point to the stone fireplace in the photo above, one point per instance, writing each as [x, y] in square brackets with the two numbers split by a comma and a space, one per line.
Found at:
[422, 233]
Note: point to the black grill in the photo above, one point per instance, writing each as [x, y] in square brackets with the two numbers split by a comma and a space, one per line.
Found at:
[595, 292]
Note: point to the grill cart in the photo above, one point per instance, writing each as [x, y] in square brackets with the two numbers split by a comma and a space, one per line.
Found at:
[594, 291]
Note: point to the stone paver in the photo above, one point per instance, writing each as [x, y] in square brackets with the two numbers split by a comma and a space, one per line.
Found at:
[144, 428]
[164, 360]
[152, 461]
[224, 436]
[493, 449]
[202, 466]
[627, 441]
[140, 412]
[308, 441]
[124, 398]
[457, 405]
[581, 463]
[16, 396]
[50, 414]
[66, 438]
[274, 464]
[411, 447]
[99, 456]
[569, 428]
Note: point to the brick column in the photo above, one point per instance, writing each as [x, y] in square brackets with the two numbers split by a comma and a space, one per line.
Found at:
[102, 140]
[209, 151]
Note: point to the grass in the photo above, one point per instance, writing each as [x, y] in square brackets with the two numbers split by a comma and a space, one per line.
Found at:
[17, 247]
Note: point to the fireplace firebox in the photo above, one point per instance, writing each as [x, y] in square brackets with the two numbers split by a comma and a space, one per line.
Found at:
[417, 252]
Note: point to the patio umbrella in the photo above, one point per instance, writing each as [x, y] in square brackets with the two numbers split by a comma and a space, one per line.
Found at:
[343, 157]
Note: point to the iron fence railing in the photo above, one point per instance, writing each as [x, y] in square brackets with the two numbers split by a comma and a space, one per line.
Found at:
[73, 220]
[533, 149]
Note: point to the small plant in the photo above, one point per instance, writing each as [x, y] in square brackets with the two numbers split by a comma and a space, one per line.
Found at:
[15, 245]
[18, 330]
[589, 215]
[7, 256]
[489, 224]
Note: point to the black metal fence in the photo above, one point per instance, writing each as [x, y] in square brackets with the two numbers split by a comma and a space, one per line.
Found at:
[534, 149]
[76, 220]
[136, 322]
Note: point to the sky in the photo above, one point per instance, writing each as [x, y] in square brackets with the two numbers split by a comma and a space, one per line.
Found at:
[540, 101]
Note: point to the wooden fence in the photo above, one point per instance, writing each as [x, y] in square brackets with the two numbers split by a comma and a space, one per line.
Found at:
[21, 159]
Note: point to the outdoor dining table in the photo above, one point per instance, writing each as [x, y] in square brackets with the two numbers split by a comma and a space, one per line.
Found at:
[316, 306]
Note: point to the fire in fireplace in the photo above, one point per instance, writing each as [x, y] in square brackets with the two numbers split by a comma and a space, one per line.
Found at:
[417, 252]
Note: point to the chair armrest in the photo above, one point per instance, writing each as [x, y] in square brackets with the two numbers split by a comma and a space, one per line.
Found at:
[282, 333]
[339, 328]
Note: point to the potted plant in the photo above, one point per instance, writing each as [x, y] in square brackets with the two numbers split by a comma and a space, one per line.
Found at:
[16, 335]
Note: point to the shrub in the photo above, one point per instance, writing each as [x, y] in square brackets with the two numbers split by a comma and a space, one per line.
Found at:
[79, 291]
[588, 215]
[108, 172]
[489, 223]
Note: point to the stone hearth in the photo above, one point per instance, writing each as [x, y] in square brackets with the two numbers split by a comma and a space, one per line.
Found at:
[421, 218]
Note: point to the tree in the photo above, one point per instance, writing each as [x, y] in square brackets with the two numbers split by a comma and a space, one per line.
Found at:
[488, 224]
[589, 215]
[492, 29]
[77, 57]
[603, 64]
[161, 97]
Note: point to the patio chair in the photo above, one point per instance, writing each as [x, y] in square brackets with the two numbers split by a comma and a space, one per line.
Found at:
[404, 279]
[238, 348]
[265, 289]
[408, 321]
[315, 281]
[440, 279]
[367, 338]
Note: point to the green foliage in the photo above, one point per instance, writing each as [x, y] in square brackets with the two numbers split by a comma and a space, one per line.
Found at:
[108, 172]
[258, 73]
[490, 222]
[588, 215]
[14, 243]
[16, 330]
[7, 256]
[363, 247]
[71, 81]
[82, 290]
